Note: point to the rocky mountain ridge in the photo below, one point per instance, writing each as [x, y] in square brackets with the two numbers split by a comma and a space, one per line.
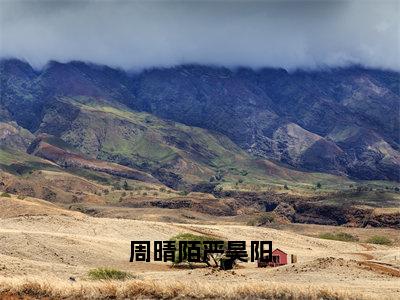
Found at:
[340, 121]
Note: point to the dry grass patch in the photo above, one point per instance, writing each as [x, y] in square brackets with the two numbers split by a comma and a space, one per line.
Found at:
[149, 289]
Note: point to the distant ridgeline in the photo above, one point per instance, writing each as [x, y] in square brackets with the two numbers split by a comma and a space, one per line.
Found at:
[192, 120]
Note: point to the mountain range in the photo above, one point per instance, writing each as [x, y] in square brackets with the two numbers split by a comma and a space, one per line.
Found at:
[191, 123]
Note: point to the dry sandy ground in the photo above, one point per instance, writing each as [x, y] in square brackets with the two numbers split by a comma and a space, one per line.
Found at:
[41, 240]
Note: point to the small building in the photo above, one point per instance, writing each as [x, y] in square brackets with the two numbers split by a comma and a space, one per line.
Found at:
[279, 258]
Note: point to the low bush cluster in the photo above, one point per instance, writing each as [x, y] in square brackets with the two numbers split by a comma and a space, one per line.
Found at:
[379, 240]
[108, 274]
[263, 218]
[338, 236]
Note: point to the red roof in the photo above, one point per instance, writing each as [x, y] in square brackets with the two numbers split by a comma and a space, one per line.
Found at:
[279, 250]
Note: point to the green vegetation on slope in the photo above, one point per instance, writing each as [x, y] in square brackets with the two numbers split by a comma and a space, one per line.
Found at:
[20, 163]
[380, 240]
[108, 274]
[176, 154]
[338, 236]
[144, 141]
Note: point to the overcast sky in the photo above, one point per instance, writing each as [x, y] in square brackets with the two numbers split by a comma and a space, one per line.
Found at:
[137, 34]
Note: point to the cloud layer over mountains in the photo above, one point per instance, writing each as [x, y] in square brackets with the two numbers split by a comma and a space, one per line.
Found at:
[137, 34]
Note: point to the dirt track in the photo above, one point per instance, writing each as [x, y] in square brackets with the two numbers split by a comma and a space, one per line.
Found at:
[376, 266]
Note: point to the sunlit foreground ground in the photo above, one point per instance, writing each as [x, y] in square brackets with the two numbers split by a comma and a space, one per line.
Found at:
[55, 288]
[42, 247]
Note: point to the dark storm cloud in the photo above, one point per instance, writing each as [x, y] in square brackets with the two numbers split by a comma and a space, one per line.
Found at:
[136, 34]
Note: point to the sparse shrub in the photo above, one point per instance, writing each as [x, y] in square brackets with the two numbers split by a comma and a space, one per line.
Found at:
[183, 193]
[318, 185]
[251, 222]
[49, 194]
[286, 187]
[339, 236]
[155, 194]
[144, 194]
[218, 189]
[108, 274]
[379, 240]
[21, 197]
[227, 194]
[266, 217]
[244, 173]
[5, 195]
[123, 194]
[106, 192]
[162, 189]
[219, 175]
[263, 218]
[396, 189]
[240, 180]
